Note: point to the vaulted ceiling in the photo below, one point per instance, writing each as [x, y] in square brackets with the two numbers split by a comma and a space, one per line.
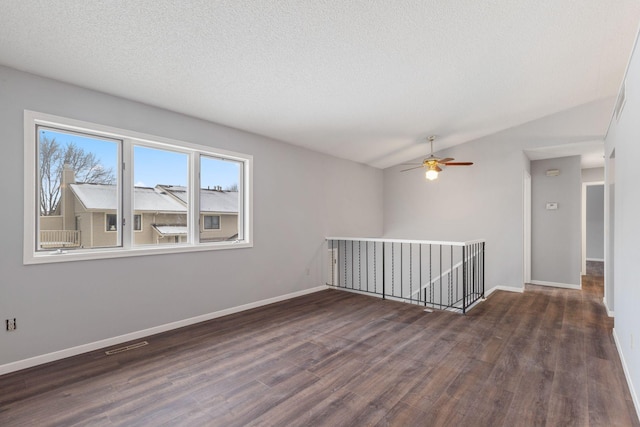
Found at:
[366, 81]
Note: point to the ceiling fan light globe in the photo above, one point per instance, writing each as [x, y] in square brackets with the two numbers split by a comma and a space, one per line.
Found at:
[431, 174]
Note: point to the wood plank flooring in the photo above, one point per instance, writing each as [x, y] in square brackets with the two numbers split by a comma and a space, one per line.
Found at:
[333, 358]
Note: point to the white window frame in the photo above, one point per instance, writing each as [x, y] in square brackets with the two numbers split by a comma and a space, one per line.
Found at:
[31, 255]
[204, 222]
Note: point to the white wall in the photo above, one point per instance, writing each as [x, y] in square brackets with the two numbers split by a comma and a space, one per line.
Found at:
[624, 137]
[556, 241]
[300, 197]
[464, 203]
[595, 222]
[486, 199]
[609, 231]
[593, 175]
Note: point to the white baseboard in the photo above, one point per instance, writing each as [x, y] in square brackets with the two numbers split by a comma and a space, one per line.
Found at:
[595, 259]
[555, 284]
[96, 345]
[503, 288]
[610, 313]
[634, 396]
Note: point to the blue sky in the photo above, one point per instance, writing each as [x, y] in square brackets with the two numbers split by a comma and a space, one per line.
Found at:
[152, 166]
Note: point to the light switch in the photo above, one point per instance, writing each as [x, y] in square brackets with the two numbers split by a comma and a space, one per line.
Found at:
[552, 206]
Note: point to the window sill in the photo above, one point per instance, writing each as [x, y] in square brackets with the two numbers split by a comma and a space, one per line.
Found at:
[109, 253]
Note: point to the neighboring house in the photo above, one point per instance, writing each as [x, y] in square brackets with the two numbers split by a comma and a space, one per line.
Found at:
[218, 211]
[87, 215]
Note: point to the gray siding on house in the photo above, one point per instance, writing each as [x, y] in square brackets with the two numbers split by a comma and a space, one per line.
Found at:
[101, 237]
[51, 222]
[228, 228]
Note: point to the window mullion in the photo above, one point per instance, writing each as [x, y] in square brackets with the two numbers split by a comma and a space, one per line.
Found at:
[126, 189]
[194, 198]
[241, 202]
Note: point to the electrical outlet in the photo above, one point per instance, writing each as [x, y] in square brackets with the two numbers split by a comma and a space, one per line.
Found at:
[11, 324]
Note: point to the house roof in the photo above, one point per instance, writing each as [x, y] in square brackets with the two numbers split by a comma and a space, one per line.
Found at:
[163, 198]
[171, 230]
[104, 197]
[210, 200]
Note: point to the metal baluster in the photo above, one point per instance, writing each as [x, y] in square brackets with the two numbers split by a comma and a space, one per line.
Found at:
[457, 282]
[401, 269]
[464, 281]
[333, 262]
[383, 275]
[410, 272]
[420, 275]
[482, 269]
[475, 268]
[430, 276]
[441, 274]
[475, 265]
[359, 265]
[450, 291]
[375, 268]
[367, 263]
[472, 279]
[393, 268]
[338, 263]
[345, 264]
[401, 295]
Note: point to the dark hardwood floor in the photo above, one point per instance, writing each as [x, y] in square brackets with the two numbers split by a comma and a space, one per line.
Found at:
[544, 357]
[595, 268]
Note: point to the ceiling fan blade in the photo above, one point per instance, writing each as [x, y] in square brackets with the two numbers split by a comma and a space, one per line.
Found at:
[438, 168]
[459, 163]
[417, 167]
[446, 160]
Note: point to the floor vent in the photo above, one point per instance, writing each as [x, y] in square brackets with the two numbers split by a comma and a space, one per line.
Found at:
[126, 348]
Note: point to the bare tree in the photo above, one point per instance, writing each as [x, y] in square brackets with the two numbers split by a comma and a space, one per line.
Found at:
[53, 157]
[232, 187]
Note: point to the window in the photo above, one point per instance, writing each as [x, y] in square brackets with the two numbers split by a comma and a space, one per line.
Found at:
[86, 203]
[160, 187]
[212, 222]
[220, 199]
[112, 222]
[75, 165]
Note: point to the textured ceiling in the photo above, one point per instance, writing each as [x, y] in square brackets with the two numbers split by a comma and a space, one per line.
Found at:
[366, 81]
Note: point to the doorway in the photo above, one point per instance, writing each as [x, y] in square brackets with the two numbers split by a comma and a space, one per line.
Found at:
[593, 240]
[526, 209]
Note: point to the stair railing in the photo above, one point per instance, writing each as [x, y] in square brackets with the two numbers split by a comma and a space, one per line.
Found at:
[435, 274]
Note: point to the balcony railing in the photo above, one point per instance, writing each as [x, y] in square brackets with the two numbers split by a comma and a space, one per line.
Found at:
[51, 239]
[437, 275]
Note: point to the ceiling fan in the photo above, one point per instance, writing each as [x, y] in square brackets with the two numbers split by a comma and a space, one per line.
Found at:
[431, 163]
